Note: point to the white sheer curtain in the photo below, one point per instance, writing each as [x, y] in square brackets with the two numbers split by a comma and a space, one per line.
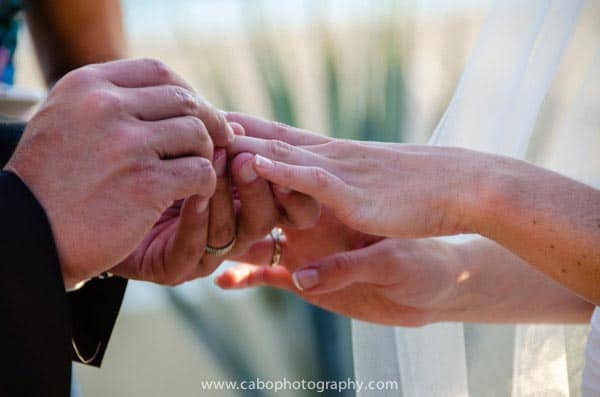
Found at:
[495, 108]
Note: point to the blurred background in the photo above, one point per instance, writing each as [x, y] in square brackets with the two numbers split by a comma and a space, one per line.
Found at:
[378, 70]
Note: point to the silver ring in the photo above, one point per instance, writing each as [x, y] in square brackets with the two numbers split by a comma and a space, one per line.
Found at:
[277, 235]
[221, 251]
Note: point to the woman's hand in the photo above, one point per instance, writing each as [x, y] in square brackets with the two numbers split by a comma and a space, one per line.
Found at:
[384, 189]
[392, 282]
[395, 190]
[415, 282]
[302, 246]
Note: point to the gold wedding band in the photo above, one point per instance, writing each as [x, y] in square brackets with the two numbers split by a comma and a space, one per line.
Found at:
[221, 251]
[277, 235]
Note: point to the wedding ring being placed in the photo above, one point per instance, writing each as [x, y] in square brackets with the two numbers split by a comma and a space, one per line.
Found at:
[277, 235]
[221, 251]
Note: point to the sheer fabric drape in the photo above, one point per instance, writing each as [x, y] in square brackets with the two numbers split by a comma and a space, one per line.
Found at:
[515, 62]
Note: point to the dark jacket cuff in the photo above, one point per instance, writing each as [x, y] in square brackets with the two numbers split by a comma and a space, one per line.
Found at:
[95, 308]
[33, 302]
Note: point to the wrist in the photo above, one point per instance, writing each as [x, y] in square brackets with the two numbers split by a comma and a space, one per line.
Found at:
[461, 297]
[490, 188]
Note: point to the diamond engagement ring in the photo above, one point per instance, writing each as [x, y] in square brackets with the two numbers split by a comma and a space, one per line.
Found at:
[277, 235]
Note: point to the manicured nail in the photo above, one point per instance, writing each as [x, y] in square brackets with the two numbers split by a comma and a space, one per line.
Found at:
[201, 206]
[305, 279]
[282, 189]
[220, 162]
[263, 162]
[247, 173]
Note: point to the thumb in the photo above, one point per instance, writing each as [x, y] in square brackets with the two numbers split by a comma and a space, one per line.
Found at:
[374, 264]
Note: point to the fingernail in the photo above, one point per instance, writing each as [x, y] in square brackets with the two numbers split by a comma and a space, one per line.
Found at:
[247, 173]
[263, 162]
[282, 189]
[305, 279]
[201, 206]
[220, 162]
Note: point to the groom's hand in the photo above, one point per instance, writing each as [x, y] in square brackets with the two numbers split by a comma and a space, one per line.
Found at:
[111, 149]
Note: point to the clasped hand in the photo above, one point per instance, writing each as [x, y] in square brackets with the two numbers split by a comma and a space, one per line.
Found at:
[128, 163]
[140, 176]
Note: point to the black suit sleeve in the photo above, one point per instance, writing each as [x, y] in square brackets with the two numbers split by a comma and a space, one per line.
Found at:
[35, 332]
[43, 327]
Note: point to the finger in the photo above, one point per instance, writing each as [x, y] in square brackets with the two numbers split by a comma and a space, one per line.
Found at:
[300, 211]
[222, 220]
[134, 73]
[163, 102]
[367, 265]
[178, 137]
[186, 247]
[313, 181]
[184, 177]
[246, 276]
[265, 129]
[258, 211]
[261, 253]
[150, 73]
[238, 130]
[276, 150]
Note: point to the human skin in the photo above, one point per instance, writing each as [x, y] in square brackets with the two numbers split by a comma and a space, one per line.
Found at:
[69, 34]
[408, 282]
[395, 190]
[171, 258]
[106, 162]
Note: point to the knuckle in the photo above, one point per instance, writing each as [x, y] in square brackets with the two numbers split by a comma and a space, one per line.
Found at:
[339, 264]
[337, 148]
[215, 119]
[158, 68]
[186, 99]
[279, 128]
[279, 149]
[321, 177]
[149, 175]
[203, 171]
[105, 101]
[78, 77]
[148, 180]
[195, 124]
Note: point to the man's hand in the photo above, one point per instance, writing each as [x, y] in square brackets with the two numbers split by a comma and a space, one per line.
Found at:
[112, 148]
[243, 206]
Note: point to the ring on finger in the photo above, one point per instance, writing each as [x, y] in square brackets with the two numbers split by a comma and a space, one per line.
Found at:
[221, 251]
[277, 236]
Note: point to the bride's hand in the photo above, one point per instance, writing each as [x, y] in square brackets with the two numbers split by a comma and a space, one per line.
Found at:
[303, 245]
[411, 282]
[390, 190]
[392, 281]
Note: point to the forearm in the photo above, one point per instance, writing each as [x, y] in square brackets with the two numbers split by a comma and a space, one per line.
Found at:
[70, 33]
[495, 286]
[550, 221]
